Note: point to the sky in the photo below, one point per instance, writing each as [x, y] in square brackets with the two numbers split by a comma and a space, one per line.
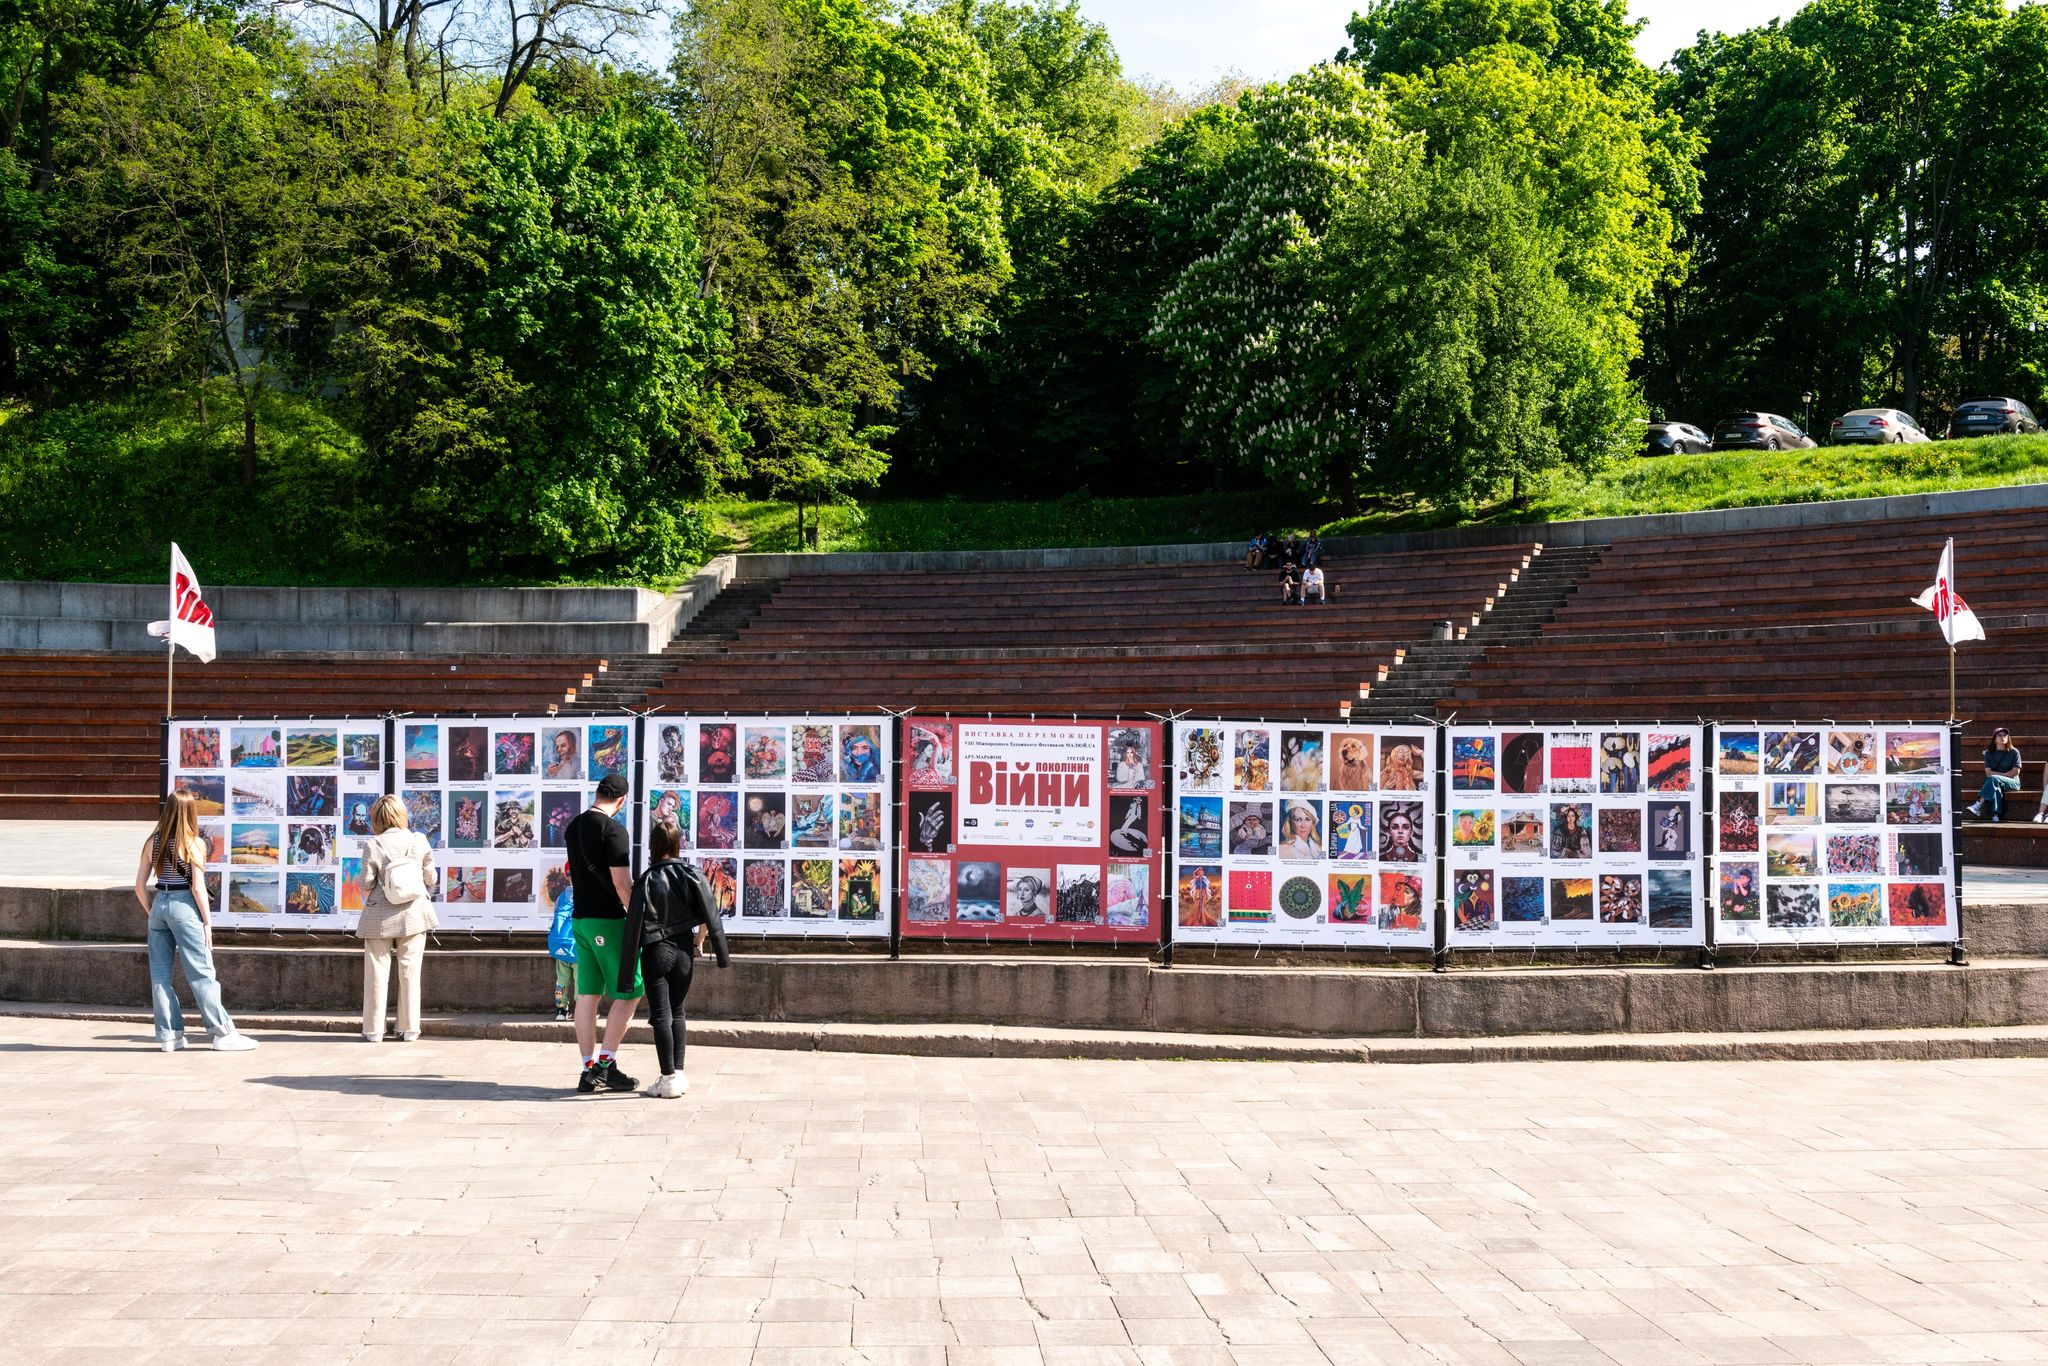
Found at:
[1189, 43]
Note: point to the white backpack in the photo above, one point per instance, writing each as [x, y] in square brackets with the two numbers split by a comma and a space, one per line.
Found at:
[400, 879]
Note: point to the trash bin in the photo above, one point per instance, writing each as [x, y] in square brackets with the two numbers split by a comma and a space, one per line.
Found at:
[1443, 631]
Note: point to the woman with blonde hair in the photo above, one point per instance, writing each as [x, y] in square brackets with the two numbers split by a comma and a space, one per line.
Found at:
[398, 911]
[180, 926]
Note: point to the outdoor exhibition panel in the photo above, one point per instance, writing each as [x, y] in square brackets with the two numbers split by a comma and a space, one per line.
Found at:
[493, 796]
[1304, 834]
[1031, 830]
[788, 816]
[1833, 833]
[285, 807]
[1573, 835]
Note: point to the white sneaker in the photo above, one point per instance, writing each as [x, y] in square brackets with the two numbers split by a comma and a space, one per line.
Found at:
[412, 1037]
[173, 1044]
[668, 1087]
[233, 1043]
[373, 1038]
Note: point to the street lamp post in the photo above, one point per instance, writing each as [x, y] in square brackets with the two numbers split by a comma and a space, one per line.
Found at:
[1807, 399]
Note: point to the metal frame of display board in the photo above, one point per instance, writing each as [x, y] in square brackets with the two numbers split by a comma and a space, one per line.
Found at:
[887, 717]
[1158, 860]
[1178, 722]
[1703, 905]
[1954, 770]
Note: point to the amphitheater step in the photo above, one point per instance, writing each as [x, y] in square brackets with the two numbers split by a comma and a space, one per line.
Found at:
[1004, 1041]
[1125, 994]
[710, 632]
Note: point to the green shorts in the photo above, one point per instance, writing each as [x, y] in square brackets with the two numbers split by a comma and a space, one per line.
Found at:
[599, 942]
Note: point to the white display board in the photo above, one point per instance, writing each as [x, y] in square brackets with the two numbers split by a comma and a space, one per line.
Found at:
[1304, 834]
[788, 816]
[1833, 834]
[1573, 835]
[284, 806]
[493, 794]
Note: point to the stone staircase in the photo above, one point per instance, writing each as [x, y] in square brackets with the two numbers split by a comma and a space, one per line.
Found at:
[1432, 669]
[625, 683]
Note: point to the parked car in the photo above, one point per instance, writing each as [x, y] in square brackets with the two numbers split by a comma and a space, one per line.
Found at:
[1675, 438]
[1875, 427]
[1759, 432]
[1992, 417]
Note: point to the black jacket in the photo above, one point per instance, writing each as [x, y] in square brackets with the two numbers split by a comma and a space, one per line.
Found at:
[670, 901]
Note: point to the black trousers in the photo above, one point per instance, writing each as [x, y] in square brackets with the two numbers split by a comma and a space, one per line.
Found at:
[665, 972]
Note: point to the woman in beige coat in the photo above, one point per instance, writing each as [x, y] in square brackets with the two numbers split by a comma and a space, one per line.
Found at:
[398, 911]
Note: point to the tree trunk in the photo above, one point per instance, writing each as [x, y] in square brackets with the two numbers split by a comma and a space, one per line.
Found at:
[248, 441]
[799, 525]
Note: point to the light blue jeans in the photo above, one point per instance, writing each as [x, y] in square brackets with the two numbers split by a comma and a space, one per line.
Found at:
[175, 929]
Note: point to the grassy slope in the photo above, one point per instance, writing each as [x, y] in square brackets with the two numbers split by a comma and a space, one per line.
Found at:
[92, 493]
[1670, 484]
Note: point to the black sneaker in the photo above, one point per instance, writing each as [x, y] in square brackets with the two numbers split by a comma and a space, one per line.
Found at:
[616, 1080]
[592, 1074]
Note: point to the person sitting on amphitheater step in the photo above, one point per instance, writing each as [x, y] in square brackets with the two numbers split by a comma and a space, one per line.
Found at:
[1312, 585]
[2001, 776]
[1290, 586]
[181, 927]
[1312, 550]
[1255, 551]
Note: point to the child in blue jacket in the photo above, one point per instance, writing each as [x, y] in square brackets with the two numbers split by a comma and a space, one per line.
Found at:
[562, 941]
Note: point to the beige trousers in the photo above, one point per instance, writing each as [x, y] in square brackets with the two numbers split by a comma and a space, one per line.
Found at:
[377, 955]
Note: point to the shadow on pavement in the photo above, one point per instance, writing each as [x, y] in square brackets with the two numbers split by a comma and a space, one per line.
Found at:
[422, 1088]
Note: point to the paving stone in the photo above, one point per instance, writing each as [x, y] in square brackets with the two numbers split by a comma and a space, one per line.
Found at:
[452, 1202]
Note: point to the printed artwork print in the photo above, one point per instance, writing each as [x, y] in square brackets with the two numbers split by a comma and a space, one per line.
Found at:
[1833, 833]
[1016, 829]
[284, 808]
[1306, 835]
[1577, 835]
[788, 817]
[494, 796]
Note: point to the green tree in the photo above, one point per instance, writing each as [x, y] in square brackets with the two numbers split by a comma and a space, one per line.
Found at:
[564, 413]
[1492, 299]
[180, 179]
[851, 224]
[1249, 326]
[1408, 37]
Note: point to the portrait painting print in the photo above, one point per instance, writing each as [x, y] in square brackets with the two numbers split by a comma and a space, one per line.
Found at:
[717, 742]
[562, 754]
[810, 754]
[1740, 892]
[931, 754]
[1130, 760]
[1252, 760]
[1351, 832]
[671, 759]
[1128, 819]
[1401, 832]
[928, 891]
[860, 754]
[1198, 900]
[717, 820]
[1301, 830]
[1403, 760]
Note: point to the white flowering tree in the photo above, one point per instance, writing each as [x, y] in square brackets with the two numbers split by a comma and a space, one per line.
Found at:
[1250, 327]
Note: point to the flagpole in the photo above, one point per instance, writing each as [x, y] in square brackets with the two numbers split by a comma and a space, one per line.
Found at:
[170, 669]
[1951, 683]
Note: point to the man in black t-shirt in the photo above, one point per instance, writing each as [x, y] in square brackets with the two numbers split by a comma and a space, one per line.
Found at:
[600, 871]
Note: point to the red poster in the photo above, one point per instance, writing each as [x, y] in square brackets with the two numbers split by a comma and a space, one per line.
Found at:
[1032, 830]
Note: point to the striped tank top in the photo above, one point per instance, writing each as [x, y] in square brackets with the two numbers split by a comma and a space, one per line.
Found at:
[172, 874]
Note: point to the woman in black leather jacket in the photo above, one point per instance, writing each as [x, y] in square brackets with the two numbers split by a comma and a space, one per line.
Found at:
[671, 914]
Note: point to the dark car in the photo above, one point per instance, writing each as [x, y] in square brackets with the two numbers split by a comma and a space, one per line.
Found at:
[1992, 417]
[1759, 432]
[1675, 438]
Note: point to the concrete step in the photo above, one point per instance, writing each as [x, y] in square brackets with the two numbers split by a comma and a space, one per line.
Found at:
[1005, 1041]
[1128, 994]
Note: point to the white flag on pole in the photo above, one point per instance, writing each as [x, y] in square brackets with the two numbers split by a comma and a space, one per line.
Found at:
[191, 620]
[1958, 622]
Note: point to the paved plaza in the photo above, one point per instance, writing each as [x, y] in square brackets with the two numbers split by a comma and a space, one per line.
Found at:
[323, 1200]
